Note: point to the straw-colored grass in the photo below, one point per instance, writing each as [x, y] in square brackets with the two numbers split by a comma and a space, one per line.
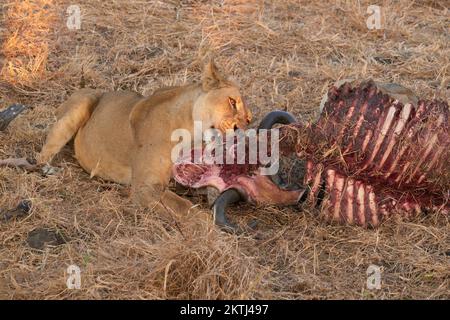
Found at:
[284, 54]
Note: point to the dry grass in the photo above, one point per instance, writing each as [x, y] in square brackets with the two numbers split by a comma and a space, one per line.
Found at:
[284, 54]
[25, 45]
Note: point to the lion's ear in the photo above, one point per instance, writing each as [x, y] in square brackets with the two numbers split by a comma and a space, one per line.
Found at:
[212, 78]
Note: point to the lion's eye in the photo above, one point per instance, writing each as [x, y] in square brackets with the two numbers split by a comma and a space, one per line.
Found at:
[232, 103]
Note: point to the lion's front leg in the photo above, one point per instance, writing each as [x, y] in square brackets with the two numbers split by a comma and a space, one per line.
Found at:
[160, 198]
[150, 179]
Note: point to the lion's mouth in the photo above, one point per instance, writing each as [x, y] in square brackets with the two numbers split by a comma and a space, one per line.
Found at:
[227, 125]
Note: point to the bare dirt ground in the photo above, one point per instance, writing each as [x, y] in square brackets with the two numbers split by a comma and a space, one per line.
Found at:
[284, 54]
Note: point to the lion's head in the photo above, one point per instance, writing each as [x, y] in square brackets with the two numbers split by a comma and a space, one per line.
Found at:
[221, 105]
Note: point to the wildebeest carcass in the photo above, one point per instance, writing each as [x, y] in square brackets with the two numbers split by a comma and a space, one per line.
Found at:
[374, 151]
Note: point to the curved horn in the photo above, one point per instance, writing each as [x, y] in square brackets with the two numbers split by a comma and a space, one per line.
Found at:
[271, 119]
[274, 117]
[219, 209]
[9, 114]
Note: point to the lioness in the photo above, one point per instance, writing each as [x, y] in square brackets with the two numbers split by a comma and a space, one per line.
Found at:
[126, 137]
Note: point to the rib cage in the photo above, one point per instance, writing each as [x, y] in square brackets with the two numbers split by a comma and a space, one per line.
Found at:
[374, 156]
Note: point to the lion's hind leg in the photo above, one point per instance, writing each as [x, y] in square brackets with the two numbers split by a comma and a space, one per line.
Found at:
[72, 115]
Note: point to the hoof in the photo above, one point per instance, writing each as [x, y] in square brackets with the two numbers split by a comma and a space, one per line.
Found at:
[21, 211]
[9, 114]
[40, 238]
